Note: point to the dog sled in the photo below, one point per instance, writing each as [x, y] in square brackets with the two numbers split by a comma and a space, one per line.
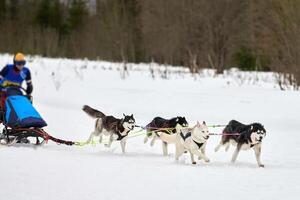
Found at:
[21, 121]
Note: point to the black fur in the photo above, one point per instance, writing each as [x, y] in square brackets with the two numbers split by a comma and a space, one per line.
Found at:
[243, 130]
[159, 122]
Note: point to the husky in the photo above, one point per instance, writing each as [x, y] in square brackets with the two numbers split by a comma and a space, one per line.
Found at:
[194, 141]
[116, 129]
[243, 137]
[166, 130]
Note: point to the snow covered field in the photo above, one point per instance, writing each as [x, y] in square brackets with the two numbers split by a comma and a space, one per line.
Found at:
[62, 87]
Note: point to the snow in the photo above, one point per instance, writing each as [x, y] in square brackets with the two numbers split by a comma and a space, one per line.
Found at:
[62, 87]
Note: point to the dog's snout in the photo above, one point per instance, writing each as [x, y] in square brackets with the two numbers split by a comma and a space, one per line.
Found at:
[206, 138]
[260, 137]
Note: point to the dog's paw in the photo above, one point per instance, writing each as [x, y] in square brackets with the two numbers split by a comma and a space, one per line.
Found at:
[207, 160]
[194, 163]
[261, 165]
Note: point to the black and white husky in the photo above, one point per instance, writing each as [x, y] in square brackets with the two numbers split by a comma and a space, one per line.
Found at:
[116, 129]
[243, 137]
[166, 130]
[194, 141]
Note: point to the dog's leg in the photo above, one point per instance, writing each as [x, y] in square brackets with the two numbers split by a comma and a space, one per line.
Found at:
[123, 144]
[96, 131]
[110, 140]
[153, 139]
[257, 150]
[165, 148]
[202, 151]
[90, 138]
[219, 146]
[179, 151]
[145, 139]
[227, 146]
[192, 158]
[236, 153]
[100, 138]
[200, 154]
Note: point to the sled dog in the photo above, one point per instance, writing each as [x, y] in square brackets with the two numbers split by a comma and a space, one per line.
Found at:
[194, 141]
[116, 129]
[165, 129]
[248, 136]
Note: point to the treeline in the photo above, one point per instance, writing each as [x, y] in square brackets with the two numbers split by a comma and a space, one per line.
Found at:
[251, 35]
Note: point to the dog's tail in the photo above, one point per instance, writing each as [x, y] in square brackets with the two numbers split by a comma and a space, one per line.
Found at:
[93, 112]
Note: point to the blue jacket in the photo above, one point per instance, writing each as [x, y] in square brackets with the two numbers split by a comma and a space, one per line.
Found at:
[10, 75]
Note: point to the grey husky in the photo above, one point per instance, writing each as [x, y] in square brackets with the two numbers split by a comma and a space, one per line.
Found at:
[116, 129]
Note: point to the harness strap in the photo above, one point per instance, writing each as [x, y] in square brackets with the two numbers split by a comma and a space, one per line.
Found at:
[252, 145]
[184, 137]
[198, 144]
[189, 134]
[120, 136]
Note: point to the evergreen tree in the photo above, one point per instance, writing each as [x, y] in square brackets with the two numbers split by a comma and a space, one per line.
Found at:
[50, 14]
[2, 9]
[43, 14]
[77, 13]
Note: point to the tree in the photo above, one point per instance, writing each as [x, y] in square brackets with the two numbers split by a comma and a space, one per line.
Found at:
[2, 10]
[77, 13]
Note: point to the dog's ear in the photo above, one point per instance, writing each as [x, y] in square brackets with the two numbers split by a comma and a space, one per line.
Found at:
[124, 115]
[204, 123]
[251, 128]
[177, 119]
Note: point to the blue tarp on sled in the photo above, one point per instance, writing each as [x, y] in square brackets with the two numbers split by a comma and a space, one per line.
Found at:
[21, 114]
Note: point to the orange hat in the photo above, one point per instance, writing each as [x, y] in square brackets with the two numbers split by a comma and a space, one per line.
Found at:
[19, 57]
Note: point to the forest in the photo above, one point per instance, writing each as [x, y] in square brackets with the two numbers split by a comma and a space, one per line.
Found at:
[251, 35]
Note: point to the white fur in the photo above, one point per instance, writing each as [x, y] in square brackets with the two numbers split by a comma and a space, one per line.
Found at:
[200, 134]
[165, 138]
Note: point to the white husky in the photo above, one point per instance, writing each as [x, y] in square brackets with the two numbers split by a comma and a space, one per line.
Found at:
[194, 142]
